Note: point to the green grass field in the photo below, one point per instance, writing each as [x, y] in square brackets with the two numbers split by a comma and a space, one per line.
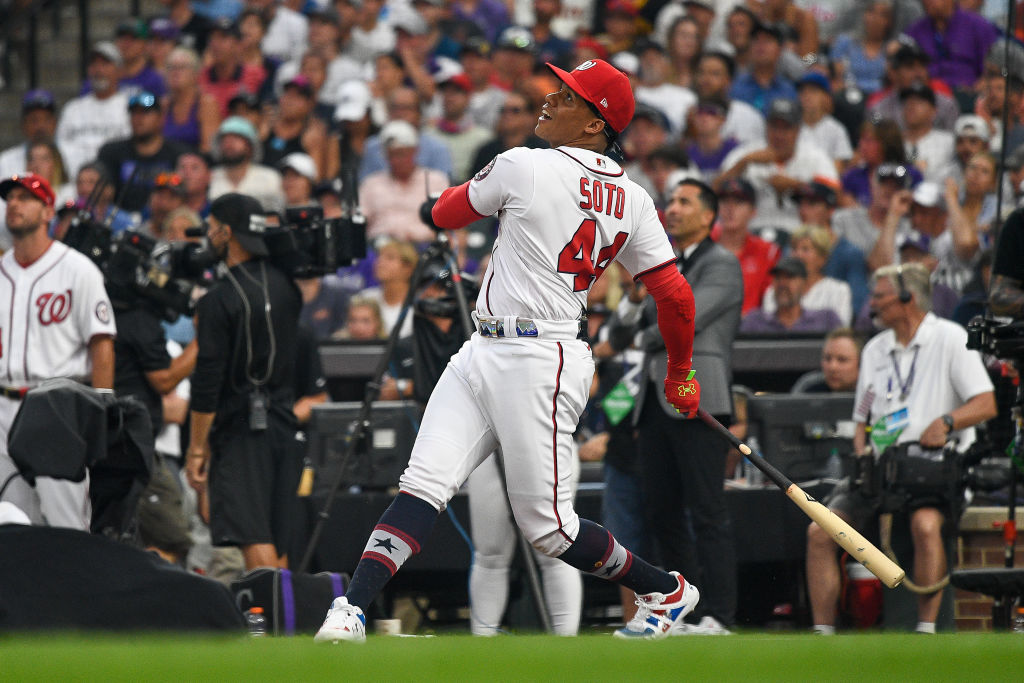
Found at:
[746, 657]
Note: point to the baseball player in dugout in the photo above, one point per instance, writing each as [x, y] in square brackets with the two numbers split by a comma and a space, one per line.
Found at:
[682, 462]
[57, 322]
[523, 378]
[242, 443]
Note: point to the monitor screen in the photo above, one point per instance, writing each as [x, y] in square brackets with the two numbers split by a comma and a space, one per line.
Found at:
[798, 432]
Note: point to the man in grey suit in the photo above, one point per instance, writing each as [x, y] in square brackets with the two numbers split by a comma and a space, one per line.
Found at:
[683, 461]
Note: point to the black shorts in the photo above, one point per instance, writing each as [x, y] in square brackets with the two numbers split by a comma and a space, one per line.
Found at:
[253, 481]
[863, 512]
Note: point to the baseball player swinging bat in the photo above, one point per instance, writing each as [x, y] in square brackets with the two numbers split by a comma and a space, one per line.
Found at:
[859, 548]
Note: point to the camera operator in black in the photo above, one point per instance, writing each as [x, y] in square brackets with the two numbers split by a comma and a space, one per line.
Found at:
[1006, 295]
[243, 428]
[143, 368]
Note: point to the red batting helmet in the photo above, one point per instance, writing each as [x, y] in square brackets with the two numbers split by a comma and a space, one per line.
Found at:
[605, 87]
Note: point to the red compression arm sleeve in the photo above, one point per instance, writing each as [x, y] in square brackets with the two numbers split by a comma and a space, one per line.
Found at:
[453, 209]
[674, 299]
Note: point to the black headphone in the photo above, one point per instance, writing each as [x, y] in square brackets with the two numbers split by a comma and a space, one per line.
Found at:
[904, 294]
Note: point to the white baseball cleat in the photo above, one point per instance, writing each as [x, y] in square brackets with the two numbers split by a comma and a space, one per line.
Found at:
[343, 622]
[659, 615]
[708, 626]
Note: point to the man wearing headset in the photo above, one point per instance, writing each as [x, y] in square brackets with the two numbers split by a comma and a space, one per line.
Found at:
[243, 429]
[918, 382]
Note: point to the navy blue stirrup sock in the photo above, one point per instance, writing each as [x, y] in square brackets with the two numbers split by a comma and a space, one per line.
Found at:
[596, 552]
[400, 533]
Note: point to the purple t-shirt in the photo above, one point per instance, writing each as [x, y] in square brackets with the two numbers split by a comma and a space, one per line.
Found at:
[811, 320]
[958, 55]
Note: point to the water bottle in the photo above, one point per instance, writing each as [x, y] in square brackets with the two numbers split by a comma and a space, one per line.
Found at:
[754, 476]
[834, 465]
[257, 622]
[1018, 621]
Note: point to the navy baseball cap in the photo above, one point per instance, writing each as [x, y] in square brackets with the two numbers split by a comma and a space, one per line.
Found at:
[38, 99]
[144, 100]
[815, 79]
[738, 188]
[895, 172]
[790, 265]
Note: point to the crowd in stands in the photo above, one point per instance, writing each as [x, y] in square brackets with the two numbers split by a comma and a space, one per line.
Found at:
[840, 137]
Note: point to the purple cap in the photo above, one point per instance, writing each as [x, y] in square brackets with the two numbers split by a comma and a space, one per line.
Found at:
[164, 28]
[916, 240]
[38, 99]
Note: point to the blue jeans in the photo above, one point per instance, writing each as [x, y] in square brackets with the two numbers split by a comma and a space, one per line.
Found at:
[622, 510]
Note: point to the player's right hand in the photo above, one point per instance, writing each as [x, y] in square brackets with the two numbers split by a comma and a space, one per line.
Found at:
[683, 394]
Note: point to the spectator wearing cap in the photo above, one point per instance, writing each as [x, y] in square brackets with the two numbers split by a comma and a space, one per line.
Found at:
[817, 201]
[298, 176]
[789, 283]
[648, 131]
[880, 142]
[293, 129]
[163, 38]
[192, 115]
[515, 61]
[98, 116]
[860, 54]
[391, 198]
[85, 331]
[866, 226]
[907, 65]
[193, 27]
[517, 119]
[38, 122]
[195, 171]
[455, 127]
[486, 98]
[370, 35]
[757, 257]
[588, 48]
[491, 17]
[287, 30]
[551, 46]
[710, 147]
[413, 44]
[247, 105]
[404, 105]
[226, 73]
[780, 168]
[137, 72]
[238, 152]
[352, 117]
[762, 83]
[653, 86]
[620, 26]
[819, 126]
[134, 163]
[928, 148]
[812, 245]
[168, 194]
[955, 40]
[971, 135]
[715, 71]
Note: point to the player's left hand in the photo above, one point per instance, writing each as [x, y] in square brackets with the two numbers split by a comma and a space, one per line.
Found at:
[683, 393]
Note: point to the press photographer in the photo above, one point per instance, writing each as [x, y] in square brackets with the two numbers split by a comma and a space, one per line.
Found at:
[918, 383]
[243, 429]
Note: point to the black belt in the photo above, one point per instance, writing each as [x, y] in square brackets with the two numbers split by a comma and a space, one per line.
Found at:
[13, 393]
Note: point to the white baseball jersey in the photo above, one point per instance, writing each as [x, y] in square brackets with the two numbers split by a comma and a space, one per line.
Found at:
[48, 313]
[565, 214]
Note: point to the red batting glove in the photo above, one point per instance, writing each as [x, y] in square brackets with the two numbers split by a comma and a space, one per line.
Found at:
[684, 394]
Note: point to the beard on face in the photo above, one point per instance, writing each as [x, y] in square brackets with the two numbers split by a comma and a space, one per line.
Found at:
[234, 159]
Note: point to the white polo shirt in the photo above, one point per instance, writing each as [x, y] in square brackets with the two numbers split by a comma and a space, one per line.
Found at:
[936, 372]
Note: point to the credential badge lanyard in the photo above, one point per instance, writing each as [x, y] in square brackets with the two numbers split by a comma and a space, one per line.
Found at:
[903, 386]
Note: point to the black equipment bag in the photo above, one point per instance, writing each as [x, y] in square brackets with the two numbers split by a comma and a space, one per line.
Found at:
[292, 602]
[915, 476]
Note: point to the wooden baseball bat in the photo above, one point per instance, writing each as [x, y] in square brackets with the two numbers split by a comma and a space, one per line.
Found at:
[842, 533]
